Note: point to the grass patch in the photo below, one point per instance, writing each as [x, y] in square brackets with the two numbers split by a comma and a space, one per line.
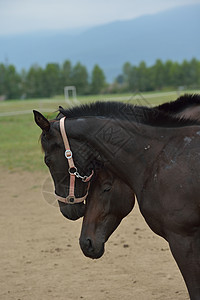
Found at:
[20, 147]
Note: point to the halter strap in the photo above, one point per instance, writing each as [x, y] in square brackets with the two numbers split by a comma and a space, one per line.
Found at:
[71, 198]
[68, 152]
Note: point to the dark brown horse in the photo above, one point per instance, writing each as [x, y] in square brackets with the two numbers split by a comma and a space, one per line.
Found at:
[158, 146]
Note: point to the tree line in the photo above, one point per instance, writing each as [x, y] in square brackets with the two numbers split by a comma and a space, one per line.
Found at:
[161, 75]
[50, 81]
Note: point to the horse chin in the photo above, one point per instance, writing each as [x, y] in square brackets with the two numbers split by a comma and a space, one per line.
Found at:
[72, 212]
[93, 252]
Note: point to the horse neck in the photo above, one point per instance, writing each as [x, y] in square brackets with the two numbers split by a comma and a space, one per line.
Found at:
[138, 151]
[128, 146]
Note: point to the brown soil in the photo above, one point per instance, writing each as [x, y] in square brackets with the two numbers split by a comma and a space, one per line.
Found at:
[41, 257]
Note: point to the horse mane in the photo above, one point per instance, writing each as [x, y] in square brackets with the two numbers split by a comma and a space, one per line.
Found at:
[180, 104]
[124, 111]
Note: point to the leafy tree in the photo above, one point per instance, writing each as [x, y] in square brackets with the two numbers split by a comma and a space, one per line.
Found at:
[168, 73]
[79, 78]
[158, 74]
[2, 79]
[134, 79]
[66, 73]
[127, 68]
[52, 80]
[198, 72]
[142, 74]
[23, 83]
[34, 82]
[98, 80]
[12, 83]
[175, 75]
[194, 72]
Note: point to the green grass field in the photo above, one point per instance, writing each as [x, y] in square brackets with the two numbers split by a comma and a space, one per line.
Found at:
[19, 136]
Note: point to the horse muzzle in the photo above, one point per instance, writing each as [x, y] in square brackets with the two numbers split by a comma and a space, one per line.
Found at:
[90, 248]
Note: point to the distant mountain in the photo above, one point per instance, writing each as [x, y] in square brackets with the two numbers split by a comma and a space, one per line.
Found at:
[172, 34]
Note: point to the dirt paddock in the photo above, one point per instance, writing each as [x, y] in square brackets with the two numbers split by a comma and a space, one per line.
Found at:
[41, 257]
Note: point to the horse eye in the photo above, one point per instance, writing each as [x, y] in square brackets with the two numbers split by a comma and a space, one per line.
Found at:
[107, 188]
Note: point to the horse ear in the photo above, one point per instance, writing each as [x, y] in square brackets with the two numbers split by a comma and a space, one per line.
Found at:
[41, 121]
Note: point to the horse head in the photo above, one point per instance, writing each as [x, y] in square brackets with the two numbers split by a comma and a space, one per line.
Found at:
[108, 202]
[55, 159]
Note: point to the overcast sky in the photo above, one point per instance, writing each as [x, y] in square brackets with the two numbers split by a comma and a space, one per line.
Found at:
[19, 16]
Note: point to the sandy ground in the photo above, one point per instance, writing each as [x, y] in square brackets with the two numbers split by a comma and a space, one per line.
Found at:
[41, 257]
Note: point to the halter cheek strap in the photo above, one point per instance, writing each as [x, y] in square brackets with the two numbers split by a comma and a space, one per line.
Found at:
[71, 198]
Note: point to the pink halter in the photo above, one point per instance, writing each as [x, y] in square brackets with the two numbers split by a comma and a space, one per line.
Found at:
[71, 199]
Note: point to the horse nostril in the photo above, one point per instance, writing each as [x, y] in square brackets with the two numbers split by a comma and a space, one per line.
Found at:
[86, 245]
[89, 244]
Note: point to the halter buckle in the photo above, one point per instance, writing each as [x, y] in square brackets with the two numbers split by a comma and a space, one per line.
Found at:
[68, 154]
[70, 199]
[73, 171]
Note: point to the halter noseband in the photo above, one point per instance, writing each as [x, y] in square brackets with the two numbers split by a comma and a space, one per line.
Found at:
[71, 198]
